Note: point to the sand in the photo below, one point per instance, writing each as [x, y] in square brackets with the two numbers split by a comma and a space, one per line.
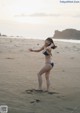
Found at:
[18, 74]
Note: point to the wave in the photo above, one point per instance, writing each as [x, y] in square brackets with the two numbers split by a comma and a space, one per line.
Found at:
[67, 40]
[40, 38]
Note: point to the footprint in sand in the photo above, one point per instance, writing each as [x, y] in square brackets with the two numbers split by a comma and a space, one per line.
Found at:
[51, 93]
[60, 97]
[9, 58]
[31, 91]
[63, 70]
[72, 58]
[34, 91]
[35, 101]
[32, 102]
[57, 52]
[70, 109]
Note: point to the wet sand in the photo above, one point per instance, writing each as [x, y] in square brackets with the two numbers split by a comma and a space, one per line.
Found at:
[18, 77]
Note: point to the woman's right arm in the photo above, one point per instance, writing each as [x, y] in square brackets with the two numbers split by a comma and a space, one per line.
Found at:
[37, 50]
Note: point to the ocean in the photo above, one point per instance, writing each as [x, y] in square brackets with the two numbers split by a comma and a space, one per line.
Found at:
[41, 38]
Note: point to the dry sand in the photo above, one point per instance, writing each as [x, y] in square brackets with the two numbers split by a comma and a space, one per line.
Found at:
[18, 73]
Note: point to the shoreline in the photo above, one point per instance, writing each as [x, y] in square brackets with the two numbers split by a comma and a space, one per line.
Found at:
[56, 40]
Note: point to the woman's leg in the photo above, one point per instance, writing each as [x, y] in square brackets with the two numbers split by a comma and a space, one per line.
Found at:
[45, 69]
[47, 79]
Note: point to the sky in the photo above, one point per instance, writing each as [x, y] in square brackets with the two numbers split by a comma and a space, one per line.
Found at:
[37, 18]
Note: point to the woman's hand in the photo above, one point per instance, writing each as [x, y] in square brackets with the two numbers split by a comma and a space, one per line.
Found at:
[31, 50]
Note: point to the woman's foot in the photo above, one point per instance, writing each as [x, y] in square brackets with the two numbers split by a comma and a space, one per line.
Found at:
[39, 90]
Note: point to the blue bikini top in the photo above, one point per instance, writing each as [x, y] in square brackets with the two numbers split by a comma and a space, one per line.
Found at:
[46, 53]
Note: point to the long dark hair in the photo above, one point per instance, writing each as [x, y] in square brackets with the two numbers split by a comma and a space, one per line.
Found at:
[51, 41]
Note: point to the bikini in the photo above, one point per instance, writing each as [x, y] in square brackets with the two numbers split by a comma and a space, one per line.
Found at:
[47, 54]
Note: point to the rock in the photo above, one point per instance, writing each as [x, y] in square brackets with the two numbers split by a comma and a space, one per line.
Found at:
[67, 34]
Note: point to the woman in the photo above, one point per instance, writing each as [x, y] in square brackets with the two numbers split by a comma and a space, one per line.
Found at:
[48, 46]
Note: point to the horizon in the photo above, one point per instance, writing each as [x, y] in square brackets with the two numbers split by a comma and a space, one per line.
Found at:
[38, 18]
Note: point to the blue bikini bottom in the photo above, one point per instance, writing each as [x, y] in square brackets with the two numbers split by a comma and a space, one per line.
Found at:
[52, 64]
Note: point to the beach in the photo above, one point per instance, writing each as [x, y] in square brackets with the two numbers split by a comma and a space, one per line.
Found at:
[18, 74]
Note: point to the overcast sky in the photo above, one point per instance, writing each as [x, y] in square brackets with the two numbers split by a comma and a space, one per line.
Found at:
[22, 16]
